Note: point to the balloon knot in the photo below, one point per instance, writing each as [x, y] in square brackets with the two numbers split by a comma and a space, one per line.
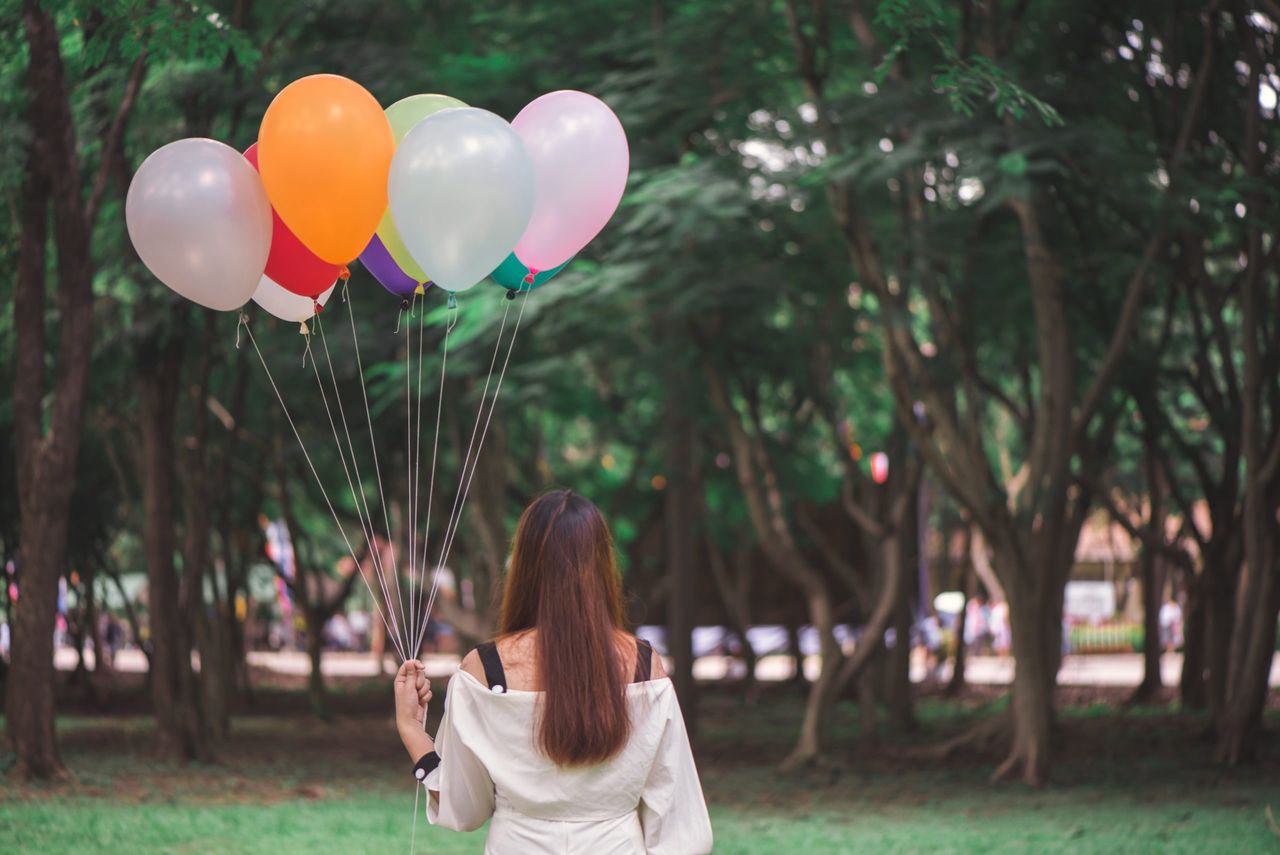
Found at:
[453, 300]
[316, 308]
[420, 290]
[404, 305]
[344, 274]
[528, 278]
[511, 294]
[303, 329]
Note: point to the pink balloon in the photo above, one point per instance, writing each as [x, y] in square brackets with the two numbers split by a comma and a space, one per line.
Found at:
[580, 165]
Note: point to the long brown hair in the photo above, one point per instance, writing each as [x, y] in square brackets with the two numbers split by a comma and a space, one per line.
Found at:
[564, 582]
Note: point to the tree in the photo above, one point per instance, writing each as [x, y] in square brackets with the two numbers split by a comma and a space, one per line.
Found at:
[47, 441]
[1032, 531]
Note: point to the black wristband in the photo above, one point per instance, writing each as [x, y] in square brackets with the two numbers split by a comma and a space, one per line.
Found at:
[425, 766]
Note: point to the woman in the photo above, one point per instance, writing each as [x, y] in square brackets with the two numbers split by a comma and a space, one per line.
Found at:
[565, 730]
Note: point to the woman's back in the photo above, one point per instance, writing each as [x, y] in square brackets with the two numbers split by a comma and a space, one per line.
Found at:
[645, 798]
[557, 730]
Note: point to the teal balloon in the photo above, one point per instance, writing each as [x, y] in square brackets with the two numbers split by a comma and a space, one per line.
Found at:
[510, 274]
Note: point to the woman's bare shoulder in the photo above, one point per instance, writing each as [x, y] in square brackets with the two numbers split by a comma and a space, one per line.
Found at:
[472, 665]
[631, 643]
[657, 671]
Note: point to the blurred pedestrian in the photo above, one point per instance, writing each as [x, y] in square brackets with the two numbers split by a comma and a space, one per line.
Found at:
[1170, 625]
[1001, 634]
[975, 624]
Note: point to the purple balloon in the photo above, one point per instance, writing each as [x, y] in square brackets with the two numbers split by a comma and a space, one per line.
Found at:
[379, 262]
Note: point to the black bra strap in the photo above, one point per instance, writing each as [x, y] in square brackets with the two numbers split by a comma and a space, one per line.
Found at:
[644, 660]
[492, 665]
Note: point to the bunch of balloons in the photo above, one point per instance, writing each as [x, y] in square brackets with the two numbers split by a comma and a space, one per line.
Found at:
[428, 192]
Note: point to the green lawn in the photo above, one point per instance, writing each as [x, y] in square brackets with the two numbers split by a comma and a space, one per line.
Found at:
[1139, 782]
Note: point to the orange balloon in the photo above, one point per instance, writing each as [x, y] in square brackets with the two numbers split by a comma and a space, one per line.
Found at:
[324, 150]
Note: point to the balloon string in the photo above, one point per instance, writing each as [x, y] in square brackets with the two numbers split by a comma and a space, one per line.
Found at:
[357, 494]
[408, 452]
[244, 322]
[475, 430]
[435, 447]
[413, 836]
[373, 444]
[417, 454]
[450, 536]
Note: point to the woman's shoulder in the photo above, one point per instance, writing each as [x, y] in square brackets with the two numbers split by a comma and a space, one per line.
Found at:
[518, 650]
[657, 670]
[472, 665]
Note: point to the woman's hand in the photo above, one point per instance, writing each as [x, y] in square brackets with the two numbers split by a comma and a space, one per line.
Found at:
[413, 693]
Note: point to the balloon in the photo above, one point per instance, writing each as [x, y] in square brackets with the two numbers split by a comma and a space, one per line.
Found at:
[511, 274]
[461, 190]
[291, 265]
[379, 262]
[324, 148]
[403, 115]
[200, 221]
[580, 163]
[285, 304]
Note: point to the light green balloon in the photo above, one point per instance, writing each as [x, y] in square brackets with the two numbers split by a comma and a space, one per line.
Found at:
[403, 115]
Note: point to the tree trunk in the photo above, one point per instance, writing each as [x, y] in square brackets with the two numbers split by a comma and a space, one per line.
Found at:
[1152, 569]
[1241, 723]
[315, 651]
[969, 583]
[172, 680]
[195, 548]
[898, 672]
[1037, 654]
[46, 438]
[29, 713]
[1220, 587]
[822, 691]
[1192, 689]
[1253, 644]
[679, 512]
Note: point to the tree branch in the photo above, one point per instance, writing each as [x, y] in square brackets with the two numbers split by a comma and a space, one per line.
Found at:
[113, 141]
[1138, 281]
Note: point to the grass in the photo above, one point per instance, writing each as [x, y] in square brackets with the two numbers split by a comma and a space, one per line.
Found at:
[1140, 781]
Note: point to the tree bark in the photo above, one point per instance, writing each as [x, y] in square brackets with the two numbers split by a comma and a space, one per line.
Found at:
[1192, 690]
[679, 515]
[898, 687]
[46, 441]
[173, 686]
[195, 549]
[1254, 639]
[1152, 578]
[968, 584]
[1037, 639]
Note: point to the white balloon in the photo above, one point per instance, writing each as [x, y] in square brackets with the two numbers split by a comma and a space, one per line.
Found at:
[201, 222]
[461, 194]
[286, 305]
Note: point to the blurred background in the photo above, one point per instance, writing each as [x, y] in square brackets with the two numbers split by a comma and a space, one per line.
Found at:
[928, 375]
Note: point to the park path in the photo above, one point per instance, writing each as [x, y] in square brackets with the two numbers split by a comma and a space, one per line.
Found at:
[1110, 669]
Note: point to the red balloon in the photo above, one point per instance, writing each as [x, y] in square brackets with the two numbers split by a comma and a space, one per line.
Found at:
[291, 265]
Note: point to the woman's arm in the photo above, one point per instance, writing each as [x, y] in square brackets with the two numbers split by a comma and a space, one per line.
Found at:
[413, 693]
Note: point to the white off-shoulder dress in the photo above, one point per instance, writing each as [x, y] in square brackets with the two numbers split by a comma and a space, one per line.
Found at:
[646, 799]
